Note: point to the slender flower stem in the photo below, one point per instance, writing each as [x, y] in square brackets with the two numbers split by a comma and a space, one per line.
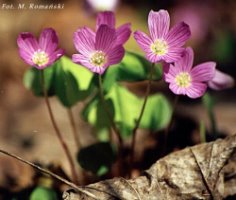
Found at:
[166, 133]
[115, 129]
[45, 171]
[134, 132]
[213, 123]
[74, 129]
[57, 131]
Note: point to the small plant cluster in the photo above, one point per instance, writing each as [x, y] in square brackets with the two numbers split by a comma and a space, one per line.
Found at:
[110, 107]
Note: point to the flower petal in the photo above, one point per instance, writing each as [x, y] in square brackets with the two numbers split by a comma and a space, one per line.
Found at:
[105, 38]
[158, 24]
[107, 18]
[177, 90]
[145, 42]
[26, 57]
[115, 55]
[170, 72]
[84, 41]
[48, 40]
[196, 90]
[123, 33]
[221, 81]
[178, 35]
[186, 62]
[174, 54]
[203, 72]
[27, 43]
[55, 56]
[83, 60]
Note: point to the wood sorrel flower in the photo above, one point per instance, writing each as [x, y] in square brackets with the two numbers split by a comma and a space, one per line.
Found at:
[123, 32]
[163, 44]
[221, 81]
[41, 53]
[184, 79]
[97, 51]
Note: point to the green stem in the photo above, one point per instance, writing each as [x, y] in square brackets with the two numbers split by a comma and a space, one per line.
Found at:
[115, 129]
[134, 132]
[213, 124]
[202, 132]
[74, 129]
[57, 131]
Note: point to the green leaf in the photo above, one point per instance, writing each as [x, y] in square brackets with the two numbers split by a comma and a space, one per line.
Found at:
[126, 107]
[72, 82]
[156, 116]
[32, 80]
[157, 113]
[132, 68]
[68, 81]
[66, 88]
[97, 158]
[43, 193]
[82, 75]
[95, 113]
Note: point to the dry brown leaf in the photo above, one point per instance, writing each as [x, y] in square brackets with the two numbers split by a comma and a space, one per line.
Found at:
[205, 171]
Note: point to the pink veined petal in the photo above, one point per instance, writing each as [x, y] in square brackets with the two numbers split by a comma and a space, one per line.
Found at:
[178, 35]
[55, 56]
[221, 81]
[26, 57]
[153, 58]
[196, 90]
[170, 72]
[107, 18]
[48, 40]
[186, 62]
[143, 41]
[99, 70]
[83, 60]
[203, 72]
[158, 24]
[177, 90]
[115, 55]
[27, 43]
[123, 33]
[174, 54]
[84, 41]
[105, 38]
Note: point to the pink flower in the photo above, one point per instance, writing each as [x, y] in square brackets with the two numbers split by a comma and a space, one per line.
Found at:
[123, 32]
[221, 81]
[163, 44]
[97, 51]
[184, 79]
[41, 53]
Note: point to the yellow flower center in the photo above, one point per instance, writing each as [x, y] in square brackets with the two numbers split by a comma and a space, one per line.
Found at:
[98, 58]
[40, 58]
[159, 47]
[183, 79]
